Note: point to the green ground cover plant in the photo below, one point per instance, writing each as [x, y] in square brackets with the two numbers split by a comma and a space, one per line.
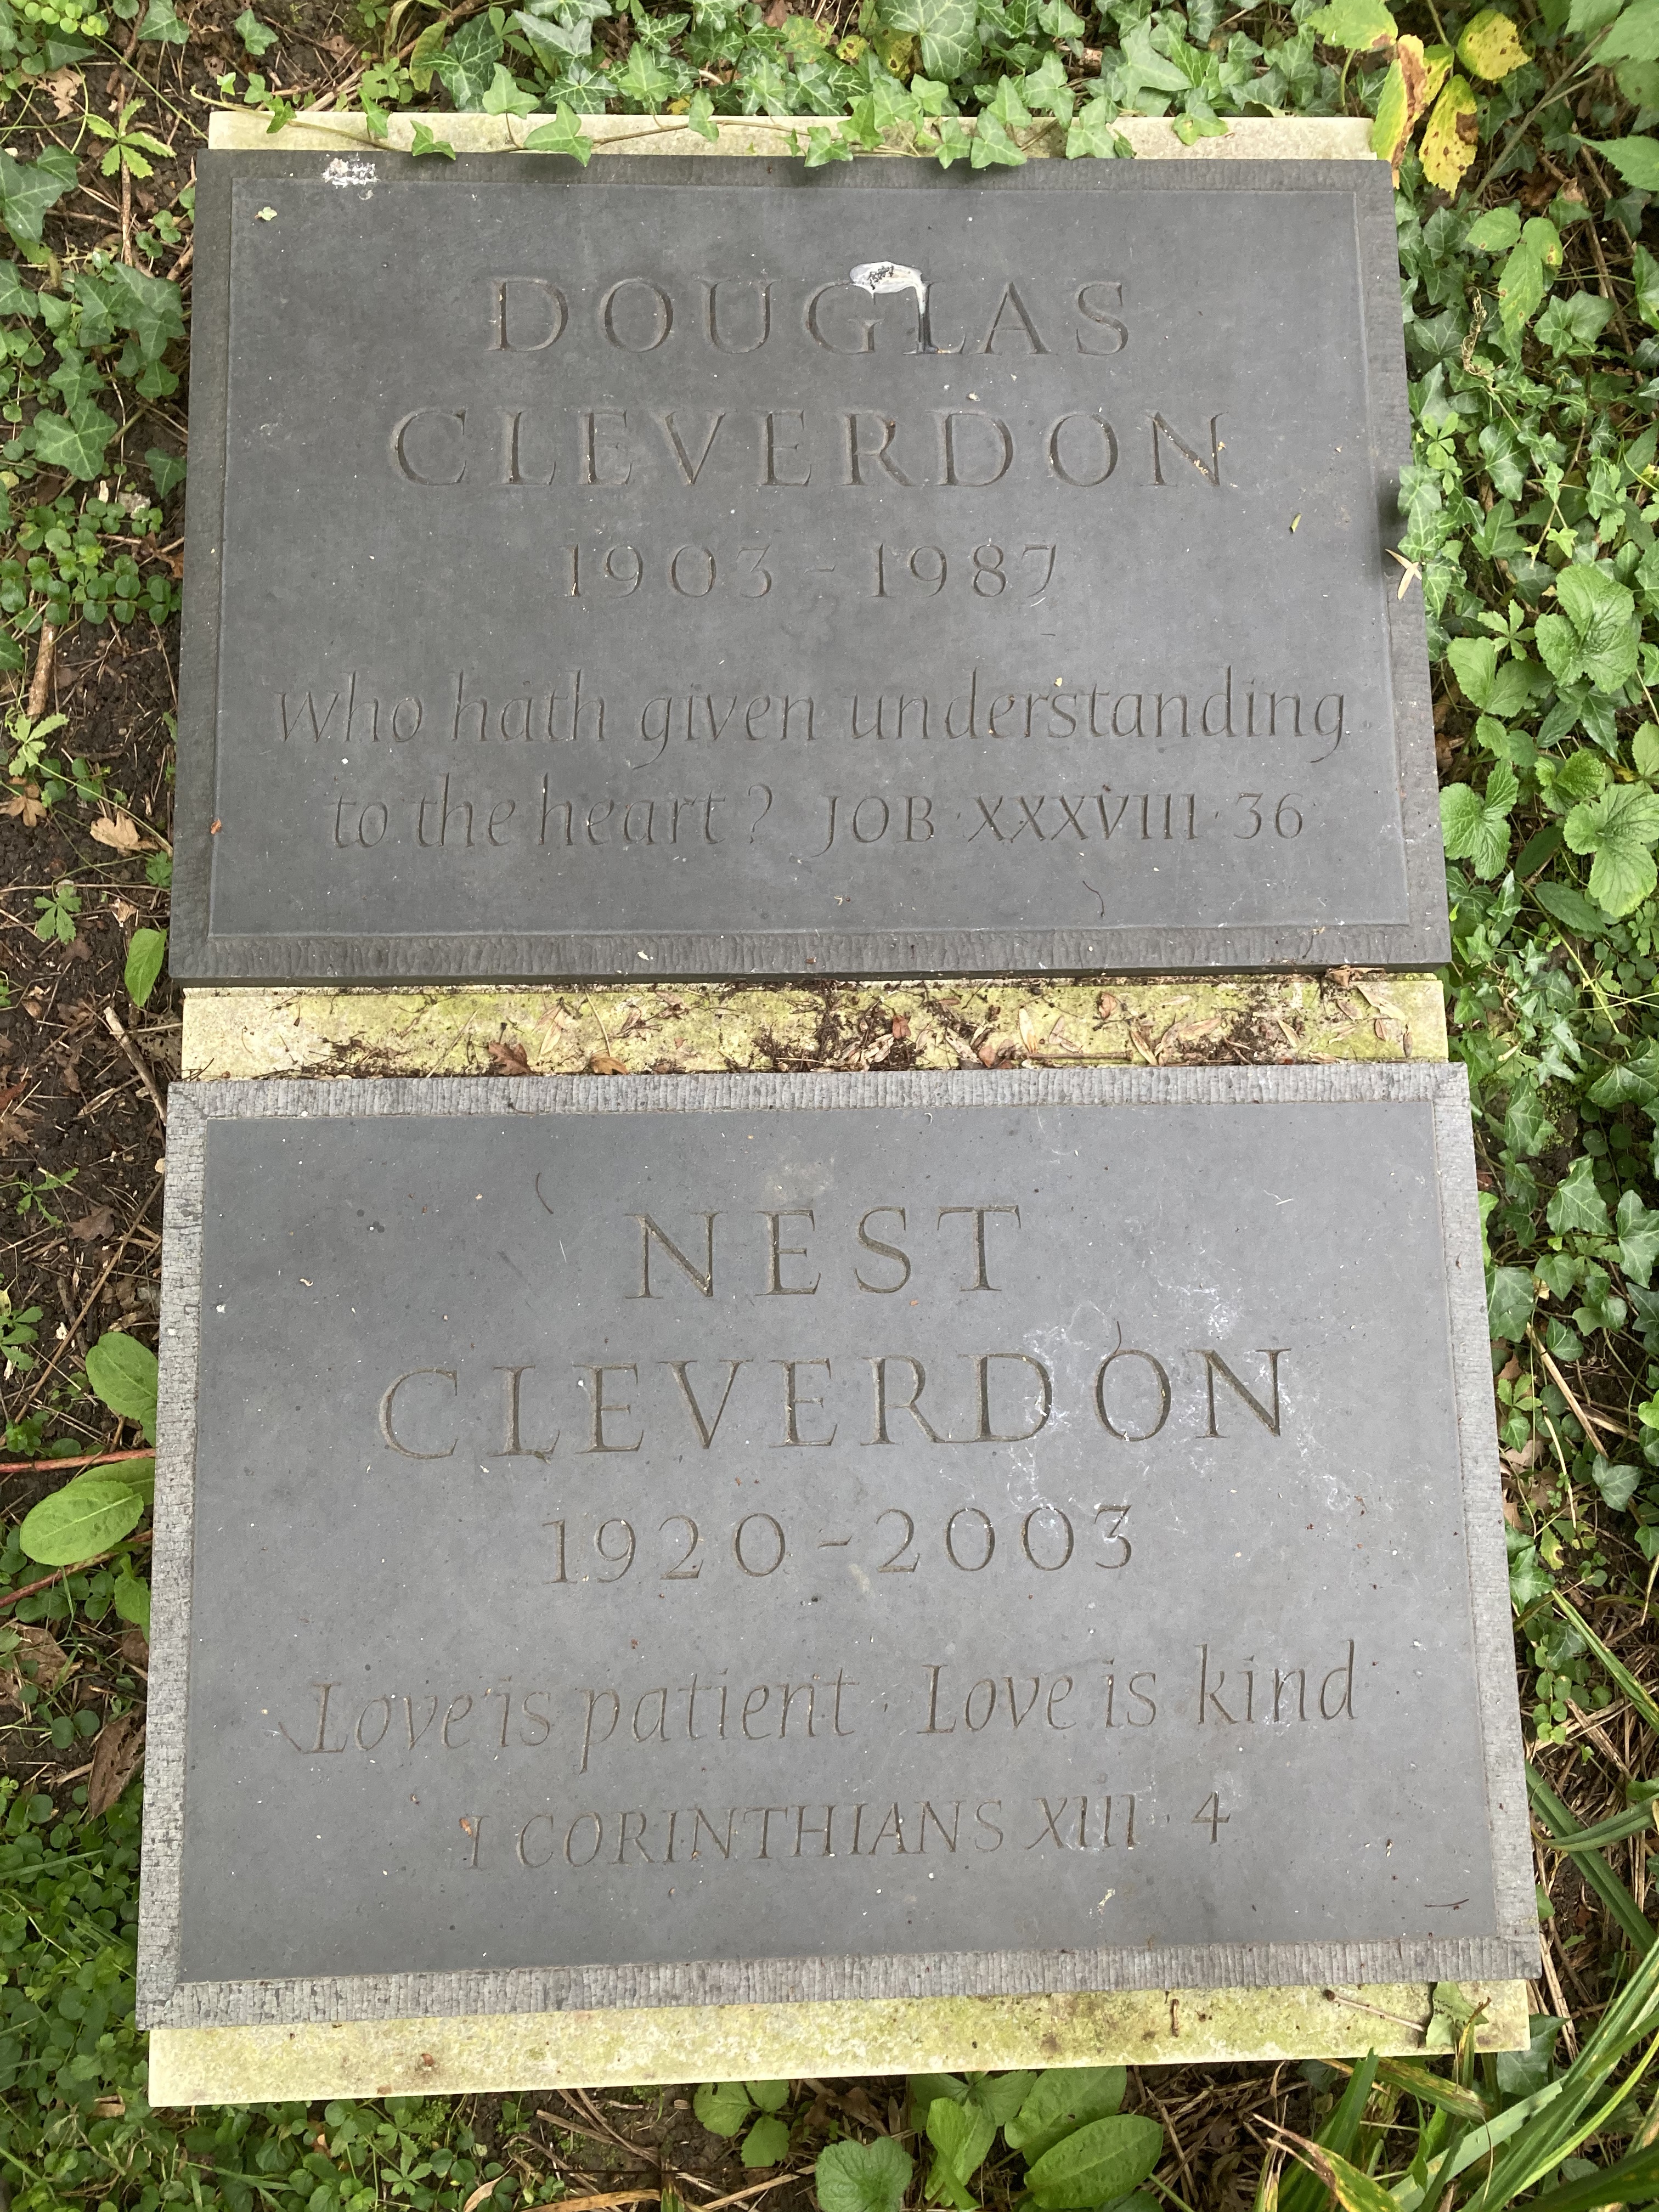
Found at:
[1527, 169]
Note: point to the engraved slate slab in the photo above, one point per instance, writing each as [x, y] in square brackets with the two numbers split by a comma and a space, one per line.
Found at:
[775, 1538]
[587, 577]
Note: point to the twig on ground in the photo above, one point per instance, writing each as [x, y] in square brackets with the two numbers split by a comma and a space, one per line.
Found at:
[41, 681]
[135, 1059]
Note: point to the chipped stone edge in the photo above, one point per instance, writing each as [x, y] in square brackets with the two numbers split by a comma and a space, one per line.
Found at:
[1254, 138]
[480, 2053]
[165, 2001]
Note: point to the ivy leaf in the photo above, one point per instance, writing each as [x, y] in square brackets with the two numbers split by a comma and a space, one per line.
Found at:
[149, 308]
[1578, 1203]
[1361, 26]
[164, 25]
[1007, 106]
[1638, 1237]
[506, 96]
[1573, 324]
[860, 2177]
[1045, 88]
[76, 443]
[28, 189]
[1490, 47]
[1619, 828]
[1527, 1127]
[948, 31]
[563, 135]
[82, 1519]
[466, 67]
[823, 146]
[1637, 160]
[961, 2136]
[1645, 270]
[1092, 133]
[425, 140]
[1451, 136]
[952, 142]
[1511, 1298]
[993, 147]
[15, 297]
[165, 470]
[1594, 635]
[258, 38]
[1099, 2162]
[700, 116]
[645, 80]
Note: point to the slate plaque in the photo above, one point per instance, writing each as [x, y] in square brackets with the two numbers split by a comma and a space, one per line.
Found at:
[769, 1538]
[587, 577]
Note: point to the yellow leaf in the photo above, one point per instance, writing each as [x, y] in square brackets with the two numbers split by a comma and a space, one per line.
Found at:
[1449, 142]
[1490, 46]
[1413, 79]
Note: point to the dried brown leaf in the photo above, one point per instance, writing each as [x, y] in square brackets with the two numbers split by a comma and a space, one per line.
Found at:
[65, 86]
[134, 1647]
[510, 1059]
[119, 831]
[603, 1063]
[116, 1757]
[94, 1226]
[26, 803]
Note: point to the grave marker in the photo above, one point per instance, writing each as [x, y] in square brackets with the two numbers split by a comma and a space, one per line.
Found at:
[590, 574]
[779, 1539]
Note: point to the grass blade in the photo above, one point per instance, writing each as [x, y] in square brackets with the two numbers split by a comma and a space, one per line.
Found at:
[1594, 1869]
[1613, 1666]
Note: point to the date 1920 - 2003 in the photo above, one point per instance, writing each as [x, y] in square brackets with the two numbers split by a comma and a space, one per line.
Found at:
[1047, 1541]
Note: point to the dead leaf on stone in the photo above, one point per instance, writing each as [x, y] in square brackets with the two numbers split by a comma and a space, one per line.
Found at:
[510, 1058]
[1031, 1030]
[602, 1063]
[1106, 1006]
[119, 831]
[26, 803]
[65, 86]
[92, 1227]
[116, 1757]
[900, 1026]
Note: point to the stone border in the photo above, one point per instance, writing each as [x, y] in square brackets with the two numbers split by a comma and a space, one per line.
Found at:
[1247, 139]
[165, 2002]
[1083, 191]
[473, 2054]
